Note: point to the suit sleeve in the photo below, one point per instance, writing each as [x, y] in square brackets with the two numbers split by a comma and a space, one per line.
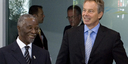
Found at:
[2, 58]
[119, 53]
[63, 56]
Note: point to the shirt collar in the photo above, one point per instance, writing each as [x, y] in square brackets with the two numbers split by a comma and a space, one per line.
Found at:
[95, 29]
[21, 44]
[79, 23]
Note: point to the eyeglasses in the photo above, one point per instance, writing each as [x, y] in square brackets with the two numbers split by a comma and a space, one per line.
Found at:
[71, 17]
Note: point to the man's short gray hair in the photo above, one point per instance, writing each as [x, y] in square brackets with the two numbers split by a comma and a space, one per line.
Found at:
[22, 18]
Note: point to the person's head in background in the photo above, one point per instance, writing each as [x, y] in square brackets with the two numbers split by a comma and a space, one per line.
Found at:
[37, 12]
[92, 12]
[74, 15]
[27, 26]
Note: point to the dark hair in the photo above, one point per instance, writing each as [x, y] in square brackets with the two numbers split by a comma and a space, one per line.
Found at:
[77, 8]
[100, 4]
[34, 9]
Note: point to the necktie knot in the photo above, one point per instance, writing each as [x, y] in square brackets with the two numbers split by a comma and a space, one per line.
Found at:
[26, 47]
[89, 32]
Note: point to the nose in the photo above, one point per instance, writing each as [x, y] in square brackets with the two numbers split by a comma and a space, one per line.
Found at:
[43, 16]
[70, 19]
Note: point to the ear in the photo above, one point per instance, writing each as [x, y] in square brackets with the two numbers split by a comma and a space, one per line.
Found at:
[18, 28]
[100, 14]
[35, 15]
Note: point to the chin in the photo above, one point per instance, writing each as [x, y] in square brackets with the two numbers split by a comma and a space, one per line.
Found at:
[31, 40]
[86, 23]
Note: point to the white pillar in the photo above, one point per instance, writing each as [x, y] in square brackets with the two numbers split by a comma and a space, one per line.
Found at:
[2, 22]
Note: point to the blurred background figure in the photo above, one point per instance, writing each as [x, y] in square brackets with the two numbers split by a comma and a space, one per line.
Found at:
[74, 17]
[37, 12]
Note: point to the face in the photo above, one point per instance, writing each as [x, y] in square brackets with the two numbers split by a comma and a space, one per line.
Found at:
[28, 31]
[90, 14]
[73, 18]
[40, 16]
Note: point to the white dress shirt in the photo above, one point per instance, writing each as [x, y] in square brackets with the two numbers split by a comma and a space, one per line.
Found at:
[22, 46]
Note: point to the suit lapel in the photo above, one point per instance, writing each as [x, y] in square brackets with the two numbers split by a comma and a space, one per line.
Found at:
[98, 39]
[16, 52]
[80, 37]
[35, 55]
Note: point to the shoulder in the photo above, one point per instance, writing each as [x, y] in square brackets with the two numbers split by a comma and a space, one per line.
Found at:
[109, 30]
[67, 27]
[7, 49]
[36, 48]
[76, 29]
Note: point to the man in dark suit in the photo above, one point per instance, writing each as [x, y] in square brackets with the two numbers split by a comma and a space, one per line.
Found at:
[74, 17]
[40, 39]
[92, 43]
[16, 52]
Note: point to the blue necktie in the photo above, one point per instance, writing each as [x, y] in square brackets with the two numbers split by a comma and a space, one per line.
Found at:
[88, 46]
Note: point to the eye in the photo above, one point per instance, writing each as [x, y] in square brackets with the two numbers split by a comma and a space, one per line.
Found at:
[91, 11]
[29, 27]
[84, 10]
[36, 28]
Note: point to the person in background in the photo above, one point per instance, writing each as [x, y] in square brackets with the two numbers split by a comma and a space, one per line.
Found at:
[92, 43]
[74, 17]
[22, 51]
[37, 12]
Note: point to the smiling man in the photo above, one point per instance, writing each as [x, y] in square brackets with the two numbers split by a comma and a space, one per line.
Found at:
[92, 43]
[22, 51]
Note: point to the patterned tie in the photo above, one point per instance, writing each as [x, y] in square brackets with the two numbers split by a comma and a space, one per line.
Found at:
[27, 57]
[88, 46]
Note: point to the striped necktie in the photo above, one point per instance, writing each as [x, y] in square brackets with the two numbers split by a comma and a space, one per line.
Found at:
[27, 56]
[88, 46]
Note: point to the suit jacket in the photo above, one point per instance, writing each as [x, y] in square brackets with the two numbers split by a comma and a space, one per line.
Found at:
[107, 46]
[69, 26]
[12, 54]
[39, 43]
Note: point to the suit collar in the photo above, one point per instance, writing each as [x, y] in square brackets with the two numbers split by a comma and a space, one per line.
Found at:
[81, 41]
[98, 39]
[16, 52]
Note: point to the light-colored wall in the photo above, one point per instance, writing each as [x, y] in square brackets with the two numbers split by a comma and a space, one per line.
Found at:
[2, 23]
[55, 12]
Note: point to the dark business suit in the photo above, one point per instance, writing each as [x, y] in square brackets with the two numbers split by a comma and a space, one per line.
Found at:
[69, 26]
[39, 43]
[12, 54]
[107, 46]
